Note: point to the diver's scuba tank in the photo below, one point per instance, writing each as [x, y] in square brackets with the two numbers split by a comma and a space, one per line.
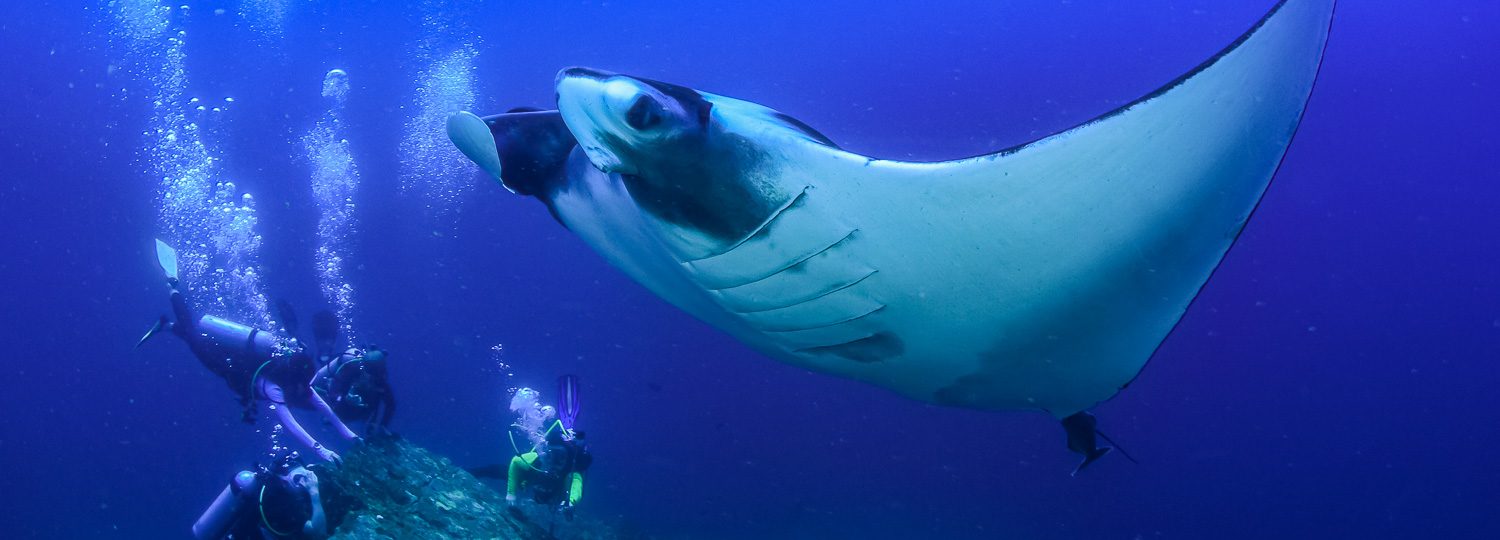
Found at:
[226, 508]
[237, 340]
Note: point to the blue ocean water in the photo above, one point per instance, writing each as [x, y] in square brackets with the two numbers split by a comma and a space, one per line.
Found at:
[1334, 379]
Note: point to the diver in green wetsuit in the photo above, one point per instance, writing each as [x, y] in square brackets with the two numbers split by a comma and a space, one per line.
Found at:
[553, 473]
[553, 468]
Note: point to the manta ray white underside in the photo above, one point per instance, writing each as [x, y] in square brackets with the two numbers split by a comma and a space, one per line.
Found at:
[1041, 277]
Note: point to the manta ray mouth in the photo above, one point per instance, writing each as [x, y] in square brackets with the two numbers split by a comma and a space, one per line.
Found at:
[584, 98]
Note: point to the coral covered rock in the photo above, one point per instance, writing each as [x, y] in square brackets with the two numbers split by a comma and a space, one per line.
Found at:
[392, 489]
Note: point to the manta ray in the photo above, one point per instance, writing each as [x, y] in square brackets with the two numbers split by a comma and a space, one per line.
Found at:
[1039, 277]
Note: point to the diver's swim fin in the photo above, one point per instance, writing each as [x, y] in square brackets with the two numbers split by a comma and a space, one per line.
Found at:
[287, 315]
[167, 258]
[567, 400]
[1091, 457]
[161, 324]
[325, 328]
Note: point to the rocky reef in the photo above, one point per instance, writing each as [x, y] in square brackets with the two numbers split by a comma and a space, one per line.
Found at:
[390, 488]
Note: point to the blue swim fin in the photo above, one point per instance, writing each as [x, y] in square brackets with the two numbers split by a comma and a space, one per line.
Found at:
[567, 400]
[167, 258]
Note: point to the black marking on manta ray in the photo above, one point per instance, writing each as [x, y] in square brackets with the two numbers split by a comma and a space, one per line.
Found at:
[1174, 83]
[804, 128]
[534, 147]
[773, 329]
[815, 296]
[795, 262]
[795, 201]
[696, 181]
[866, 350]
[687, 97]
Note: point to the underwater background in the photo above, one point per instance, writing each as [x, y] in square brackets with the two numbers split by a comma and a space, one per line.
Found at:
[1336, 378]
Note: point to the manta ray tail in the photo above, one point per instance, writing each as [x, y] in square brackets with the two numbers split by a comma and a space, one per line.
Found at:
[1116, 446]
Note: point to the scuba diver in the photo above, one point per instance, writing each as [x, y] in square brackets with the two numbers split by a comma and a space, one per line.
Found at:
[255, 364]
[553, 473]
[280, 501]
[357, 387]
[552, 470]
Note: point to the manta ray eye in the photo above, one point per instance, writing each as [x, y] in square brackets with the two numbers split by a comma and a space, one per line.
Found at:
[644, 114]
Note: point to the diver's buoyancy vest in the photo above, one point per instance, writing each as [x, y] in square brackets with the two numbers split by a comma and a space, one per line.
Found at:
[561, 460]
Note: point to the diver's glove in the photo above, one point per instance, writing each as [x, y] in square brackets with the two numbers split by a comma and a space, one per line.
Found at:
[327, 455]
[510, 499]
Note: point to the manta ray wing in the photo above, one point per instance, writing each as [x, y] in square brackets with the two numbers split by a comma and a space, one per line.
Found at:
[1040, 277]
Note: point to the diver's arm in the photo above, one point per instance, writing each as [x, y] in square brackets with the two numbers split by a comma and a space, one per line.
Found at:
[317, 525]
[387, 406]
[388, 396]
[333, 418]
[338, 386]
[288, 421]
[322, 376]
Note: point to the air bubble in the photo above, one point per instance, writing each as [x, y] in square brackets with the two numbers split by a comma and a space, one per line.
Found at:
[429, 162]
[335, 180]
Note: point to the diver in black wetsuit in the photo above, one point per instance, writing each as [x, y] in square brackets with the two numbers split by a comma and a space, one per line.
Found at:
[266, 503]
[358, 387]
[552, 470]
